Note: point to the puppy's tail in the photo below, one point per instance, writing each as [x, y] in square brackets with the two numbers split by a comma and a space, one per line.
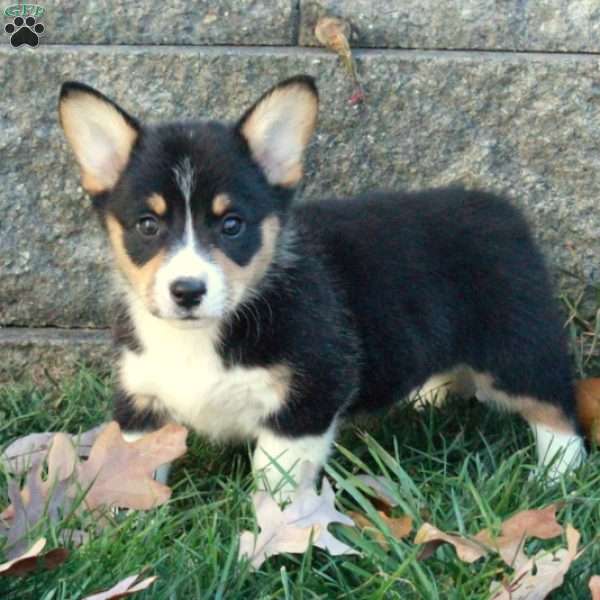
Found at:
[587, 394]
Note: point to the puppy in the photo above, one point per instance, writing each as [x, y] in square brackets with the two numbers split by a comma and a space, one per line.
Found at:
[242, 316]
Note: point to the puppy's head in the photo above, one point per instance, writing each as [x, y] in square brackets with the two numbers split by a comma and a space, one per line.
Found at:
[193, 210]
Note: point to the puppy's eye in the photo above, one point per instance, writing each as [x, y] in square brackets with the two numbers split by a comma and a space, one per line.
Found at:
[148, 226]
[232, 226]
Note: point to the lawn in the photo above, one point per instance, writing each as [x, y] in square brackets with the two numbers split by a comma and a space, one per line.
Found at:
[461, 467]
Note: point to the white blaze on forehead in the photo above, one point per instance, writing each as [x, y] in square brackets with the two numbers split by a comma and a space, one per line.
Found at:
[185, 178]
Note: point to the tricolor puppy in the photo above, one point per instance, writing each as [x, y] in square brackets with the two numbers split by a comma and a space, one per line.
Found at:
[243, 316]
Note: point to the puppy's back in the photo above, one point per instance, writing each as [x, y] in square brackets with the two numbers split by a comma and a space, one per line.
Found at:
[436, 279]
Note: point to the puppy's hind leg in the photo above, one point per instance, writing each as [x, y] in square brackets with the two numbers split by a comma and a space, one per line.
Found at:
[558, 452]
[560, 448]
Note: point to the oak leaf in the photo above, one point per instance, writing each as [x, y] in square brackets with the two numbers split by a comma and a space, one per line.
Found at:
[126, 587]
[467, 550]
[33, 559]
[117, 474]
[292, 529]
[382, 491]
[399, 527]
[120, 473]
[538, 523]
[541, 574]
[28, 451]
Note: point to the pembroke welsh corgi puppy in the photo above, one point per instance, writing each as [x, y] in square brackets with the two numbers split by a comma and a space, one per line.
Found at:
[242, 315]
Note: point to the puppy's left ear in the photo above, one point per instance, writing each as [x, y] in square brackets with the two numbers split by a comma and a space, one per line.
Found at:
[278, 127]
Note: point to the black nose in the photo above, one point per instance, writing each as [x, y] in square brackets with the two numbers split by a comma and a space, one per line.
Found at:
[188, 292]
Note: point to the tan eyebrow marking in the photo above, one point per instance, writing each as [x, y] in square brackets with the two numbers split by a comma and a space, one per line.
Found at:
[158, 204]
[220, 204]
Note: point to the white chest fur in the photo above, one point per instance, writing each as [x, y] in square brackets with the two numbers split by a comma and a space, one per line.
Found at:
[181, 370]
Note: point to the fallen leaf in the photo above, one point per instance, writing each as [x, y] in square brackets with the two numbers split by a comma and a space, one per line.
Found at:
[120, 473]
[309, 509]
[467, 550]
[16, 528]
[291, 530]
[33, 552]
[381, 491]
[24, 453]
[509, 543]
[539, 523]
[33, 559]
[28, 506]
[126, 587]
[334, 33]
[399, 527]
[541, 574]
[277, 536]
[117, 474]
[587, 395]
[595, 587]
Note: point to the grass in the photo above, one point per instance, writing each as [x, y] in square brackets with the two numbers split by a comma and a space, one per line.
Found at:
[461, 467]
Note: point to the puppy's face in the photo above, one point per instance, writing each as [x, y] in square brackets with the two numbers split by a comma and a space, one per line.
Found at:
[193, 210]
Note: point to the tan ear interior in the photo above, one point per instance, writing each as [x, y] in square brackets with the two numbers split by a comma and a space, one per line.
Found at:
[278, 130]
[100, 136]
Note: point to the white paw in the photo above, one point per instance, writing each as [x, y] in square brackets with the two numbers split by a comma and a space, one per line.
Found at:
[559, 454]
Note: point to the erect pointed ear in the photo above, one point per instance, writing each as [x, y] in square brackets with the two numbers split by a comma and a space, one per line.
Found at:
[278, 127]
[101, 134]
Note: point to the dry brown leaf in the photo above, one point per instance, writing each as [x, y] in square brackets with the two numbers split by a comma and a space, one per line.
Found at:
[61, 460]
[587, 394]
[594, 585]
[334, 33]
[33, 559]
[26, 452]
[467, 550]
[549, 568]
[126, 587]
[539, 523]
[277, 536]
[120, 473]
[291, 529]
[399, 527]
[117, 473]
[381, 491]
[28, 506]
[15, 528]
[33, 552]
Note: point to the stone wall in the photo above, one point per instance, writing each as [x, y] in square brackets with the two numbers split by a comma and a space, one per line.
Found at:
[503, 96]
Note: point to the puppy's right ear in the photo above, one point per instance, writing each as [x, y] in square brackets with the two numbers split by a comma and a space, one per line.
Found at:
[101, 134]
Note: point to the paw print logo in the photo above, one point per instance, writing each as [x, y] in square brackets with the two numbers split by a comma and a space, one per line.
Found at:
[24, 31]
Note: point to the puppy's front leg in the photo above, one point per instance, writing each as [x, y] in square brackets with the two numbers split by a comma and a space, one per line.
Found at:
[135, 417]
[283, 462]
